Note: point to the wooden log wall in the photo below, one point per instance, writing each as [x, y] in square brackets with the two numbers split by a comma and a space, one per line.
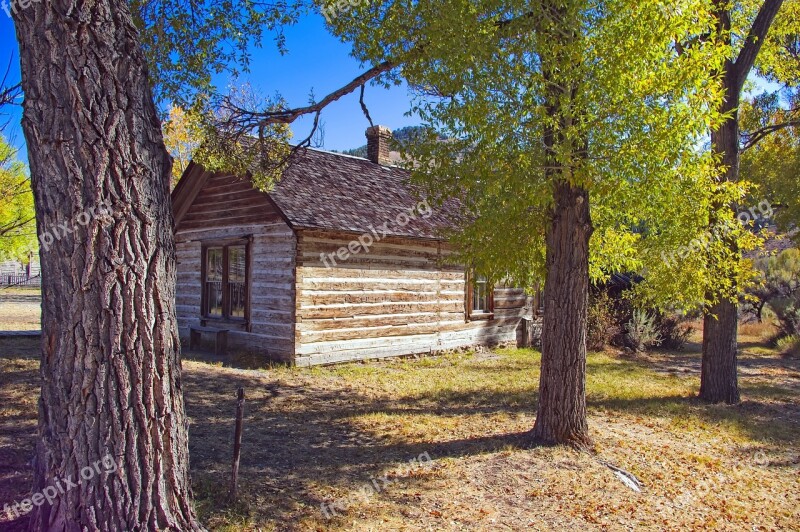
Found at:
[399, 298]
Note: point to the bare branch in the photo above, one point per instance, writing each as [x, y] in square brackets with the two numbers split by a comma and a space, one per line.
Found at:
[288, 116]
[364, 107]
[9, 95]
[754, 137]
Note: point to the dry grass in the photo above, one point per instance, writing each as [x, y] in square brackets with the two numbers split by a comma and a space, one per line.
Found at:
[758, 332]
[314, 436]
[20, 309]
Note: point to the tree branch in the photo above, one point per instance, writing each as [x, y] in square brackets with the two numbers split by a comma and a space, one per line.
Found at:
[16, 224]
[288, 116]
[753, 138]
[9, 95]
[364, 107]
[754, 41]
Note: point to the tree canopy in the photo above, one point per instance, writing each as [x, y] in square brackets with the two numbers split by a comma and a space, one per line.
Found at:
[632, 114]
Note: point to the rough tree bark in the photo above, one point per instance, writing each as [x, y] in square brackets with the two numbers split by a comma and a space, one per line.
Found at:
[110, 367]
[718, 378]
[561, 412]
[718, 375]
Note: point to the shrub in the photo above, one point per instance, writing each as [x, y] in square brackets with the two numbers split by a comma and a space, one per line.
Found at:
[789, 346]
[641, 331]
[601, 323]
[787, 311]
[673, 330]
[778, 285]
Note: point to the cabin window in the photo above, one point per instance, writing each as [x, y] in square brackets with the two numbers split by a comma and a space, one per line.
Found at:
[213, 282]
[480, 298]
[225, 281]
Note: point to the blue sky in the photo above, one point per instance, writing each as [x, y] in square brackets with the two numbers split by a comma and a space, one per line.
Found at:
[316, 60]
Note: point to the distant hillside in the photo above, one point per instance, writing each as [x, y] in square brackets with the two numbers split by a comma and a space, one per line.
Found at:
[402, 135]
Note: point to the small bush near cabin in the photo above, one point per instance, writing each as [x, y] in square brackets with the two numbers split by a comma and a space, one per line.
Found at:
[673, 330]
[602, 325]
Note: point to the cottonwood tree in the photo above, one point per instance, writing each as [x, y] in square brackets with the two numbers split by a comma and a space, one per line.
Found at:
[572, 125]
[17, 218]
[110, 366]
[743, 33]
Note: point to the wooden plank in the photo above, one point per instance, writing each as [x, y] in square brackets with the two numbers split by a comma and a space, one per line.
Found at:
[201, 221]
[231, 192]
[193, 236]
[511, 302]
[222, 221]
[336, 298]
[194, 178]
[341, 311]
[224, 210]
[400, 330]
[333, 352]
[387, 273]
[355, 285]
[332, 246]
[371, 321]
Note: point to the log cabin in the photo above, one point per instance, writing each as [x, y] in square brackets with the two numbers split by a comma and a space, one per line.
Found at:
[341, 260]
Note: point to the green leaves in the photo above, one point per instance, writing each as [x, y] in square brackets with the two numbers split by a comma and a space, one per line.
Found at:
[772, 160]
[188, 41]
[596, 94]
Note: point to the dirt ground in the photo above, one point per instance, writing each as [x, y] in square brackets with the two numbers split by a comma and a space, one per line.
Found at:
[20, 309]
[439, 443]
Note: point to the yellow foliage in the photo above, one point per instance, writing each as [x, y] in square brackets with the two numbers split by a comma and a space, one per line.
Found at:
[183, 134]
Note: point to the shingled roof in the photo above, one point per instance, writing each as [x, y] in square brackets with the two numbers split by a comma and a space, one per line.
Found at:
[324, 190]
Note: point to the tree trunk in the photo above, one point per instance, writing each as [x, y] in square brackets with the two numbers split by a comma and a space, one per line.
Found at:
[718, 377]
[561, 413]
[111, 413]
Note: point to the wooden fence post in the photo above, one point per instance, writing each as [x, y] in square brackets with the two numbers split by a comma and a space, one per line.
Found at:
[237, 442]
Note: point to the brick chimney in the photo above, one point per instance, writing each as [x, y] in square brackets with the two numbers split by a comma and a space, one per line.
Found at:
[378, 139]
